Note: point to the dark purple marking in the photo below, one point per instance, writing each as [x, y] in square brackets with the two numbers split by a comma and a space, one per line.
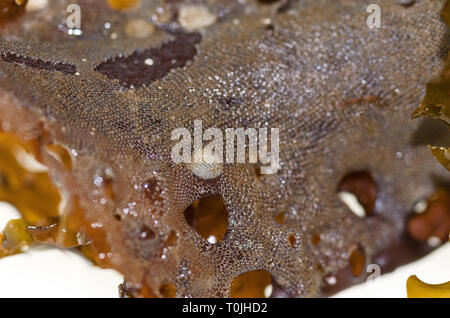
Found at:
[67, 69]
[132, 70]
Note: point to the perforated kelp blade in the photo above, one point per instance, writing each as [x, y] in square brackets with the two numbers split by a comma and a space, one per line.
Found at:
[341, 94]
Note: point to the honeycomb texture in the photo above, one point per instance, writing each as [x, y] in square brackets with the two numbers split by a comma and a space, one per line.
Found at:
[341, 94]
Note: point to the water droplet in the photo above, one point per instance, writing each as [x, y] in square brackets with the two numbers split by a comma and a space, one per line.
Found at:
[331, 280]
[149, 62]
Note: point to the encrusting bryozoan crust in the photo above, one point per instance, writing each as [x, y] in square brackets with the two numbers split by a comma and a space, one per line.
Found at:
[340, 93]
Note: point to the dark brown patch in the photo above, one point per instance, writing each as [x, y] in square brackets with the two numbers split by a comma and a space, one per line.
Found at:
[67, 69]
[267, 1]
[132, 70]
